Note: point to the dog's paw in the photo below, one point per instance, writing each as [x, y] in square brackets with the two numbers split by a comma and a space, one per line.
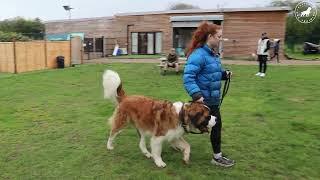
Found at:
[160, 164]
[110, 147]
[186, 162]
[148, 155]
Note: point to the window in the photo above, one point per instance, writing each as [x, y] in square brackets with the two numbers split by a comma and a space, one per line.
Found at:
[146, 42]
[158, 42]
[134, 39]
[89, 44]
[150, 49]
[98, 45]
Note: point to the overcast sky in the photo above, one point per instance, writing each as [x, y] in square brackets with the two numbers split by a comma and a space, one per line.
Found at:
[52, 9]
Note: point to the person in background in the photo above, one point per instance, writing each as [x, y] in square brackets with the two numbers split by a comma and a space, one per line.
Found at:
[276, 47]
[202, 80]
[263, 53]
[172, 61]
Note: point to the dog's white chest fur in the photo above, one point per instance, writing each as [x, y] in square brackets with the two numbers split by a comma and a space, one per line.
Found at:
[174, 133]
[178, 132]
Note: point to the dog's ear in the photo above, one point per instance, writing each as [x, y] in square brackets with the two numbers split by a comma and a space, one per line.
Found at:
[194, 116]
[184, 114]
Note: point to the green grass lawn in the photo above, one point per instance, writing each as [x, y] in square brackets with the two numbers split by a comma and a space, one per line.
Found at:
[53, 125]
[297, 53]
[301, 56]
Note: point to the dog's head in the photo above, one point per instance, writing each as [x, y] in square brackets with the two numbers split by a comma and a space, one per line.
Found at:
[197, 116]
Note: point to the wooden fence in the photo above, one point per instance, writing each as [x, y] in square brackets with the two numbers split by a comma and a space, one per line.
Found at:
[16, 57]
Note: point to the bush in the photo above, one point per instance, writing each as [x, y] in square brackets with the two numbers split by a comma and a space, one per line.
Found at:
[31, 28]
[11, 36]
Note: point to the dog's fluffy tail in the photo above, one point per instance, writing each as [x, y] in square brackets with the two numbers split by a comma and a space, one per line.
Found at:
[112, 86]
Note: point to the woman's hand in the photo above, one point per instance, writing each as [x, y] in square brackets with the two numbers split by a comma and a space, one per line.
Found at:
[229, 73]
[226, 75]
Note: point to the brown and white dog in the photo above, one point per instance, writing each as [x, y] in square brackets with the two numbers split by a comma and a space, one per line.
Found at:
[162, 120]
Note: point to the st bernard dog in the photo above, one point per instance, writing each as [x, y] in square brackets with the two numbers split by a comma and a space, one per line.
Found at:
[162, 120]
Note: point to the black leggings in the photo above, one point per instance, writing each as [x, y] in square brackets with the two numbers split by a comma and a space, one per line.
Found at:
[215, 135]
[262, 63]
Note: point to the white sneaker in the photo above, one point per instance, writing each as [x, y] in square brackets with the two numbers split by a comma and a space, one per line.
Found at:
[262, 75]
[258, 74]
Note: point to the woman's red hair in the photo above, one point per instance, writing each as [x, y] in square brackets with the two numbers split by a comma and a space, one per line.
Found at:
[200, 36]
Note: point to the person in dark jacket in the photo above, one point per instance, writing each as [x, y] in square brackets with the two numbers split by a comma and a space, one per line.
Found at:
[202, 80]
[172, 61]
[276, 47]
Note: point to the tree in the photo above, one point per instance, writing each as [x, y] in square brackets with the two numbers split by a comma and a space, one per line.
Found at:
[296, 32]
[182, 6]
[33, 28]
[290, 3]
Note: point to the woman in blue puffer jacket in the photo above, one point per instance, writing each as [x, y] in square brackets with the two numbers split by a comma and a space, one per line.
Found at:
[202, 80]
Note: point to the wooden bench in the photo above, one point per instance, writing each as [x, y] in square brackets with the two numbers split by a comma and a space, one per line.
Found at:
[163, 62]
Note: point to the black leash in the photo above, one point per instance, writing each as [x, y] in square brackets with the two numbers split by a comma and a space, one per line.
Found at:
[225, 88]
[224, 93]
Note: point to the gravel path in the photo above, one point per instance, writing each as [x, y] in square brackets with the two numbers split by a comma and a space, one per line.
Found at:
[224, 61]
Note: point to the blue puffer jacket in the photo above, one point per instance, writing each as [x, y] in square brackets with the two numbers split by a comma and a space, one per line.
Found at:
[203, 74]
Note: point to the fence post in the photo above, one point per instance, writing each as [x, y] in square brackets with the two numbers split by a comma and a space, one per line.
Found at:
[45, 54]
[102, 46]
[14, 57]
[81, 50]
[70, 51]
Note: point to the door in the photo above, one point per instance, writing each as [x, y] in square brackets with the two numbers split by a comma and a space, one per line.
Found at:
[142, 43]
[109, 44]
[146, 42]
[76, 50]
